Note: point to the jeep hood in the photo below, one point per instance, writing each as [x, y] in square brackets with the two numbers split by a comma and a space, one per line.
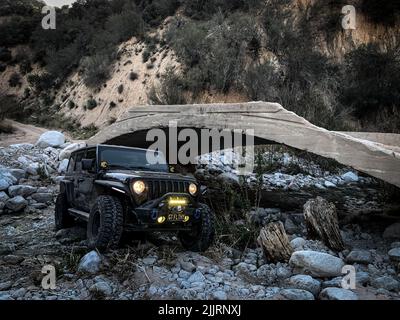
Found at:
[124, 175]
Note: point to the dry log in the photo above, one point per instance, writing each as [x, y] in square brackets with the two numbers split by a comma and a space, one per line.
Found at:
[275, 243]
[322, 222]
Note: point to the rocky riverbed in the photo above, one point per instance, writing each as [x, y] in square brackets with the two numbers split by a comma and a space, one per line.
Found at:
[157, 267]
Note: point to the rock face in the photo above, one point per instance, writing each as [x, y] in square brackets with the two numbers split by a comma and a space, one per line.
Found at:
[317, 264]
[51, 139]
[90, 263]
[337, 294]
[16, 204]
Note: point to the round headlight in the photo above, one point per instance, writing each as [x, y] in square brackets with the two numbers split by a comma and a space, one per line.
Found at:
[139, 187]
[192, 189]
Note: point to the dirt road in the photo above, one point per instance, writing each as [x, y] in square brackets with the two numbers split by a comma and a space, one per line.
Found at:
[24, 133]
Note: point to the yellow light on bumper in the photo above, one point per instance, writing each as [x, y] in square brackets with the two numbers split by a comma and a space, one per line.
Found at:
[161, 219]
[175, 202]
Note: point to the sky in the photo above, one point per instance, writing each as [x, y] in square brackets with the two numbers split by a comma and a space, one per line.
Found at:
[58, 3]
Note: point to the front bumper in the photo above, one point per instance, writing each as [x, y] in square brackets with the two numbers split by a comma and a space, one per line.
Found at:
[148, 214]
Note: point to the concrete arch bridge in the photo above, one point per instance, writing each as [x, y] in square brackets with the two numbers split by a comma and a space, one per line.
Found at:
[375, 154]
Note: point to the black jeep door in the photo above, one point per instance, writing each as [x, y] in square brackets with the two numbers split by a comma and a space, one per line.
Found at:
[78, 178]
[86, 182]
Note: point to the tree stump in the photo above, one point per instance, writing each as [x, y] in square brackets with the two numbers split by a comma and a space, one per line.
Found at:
[275, 243]
[322, 222]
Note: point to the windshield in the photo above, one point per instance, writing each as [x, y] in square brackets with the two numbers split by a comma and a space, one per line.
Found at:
[132, 159]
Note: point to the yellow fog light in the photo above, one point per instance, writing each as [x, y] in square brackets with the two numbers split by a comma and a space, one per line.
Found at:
[161, 219]
[192, 189]
[186, 219]
[139, 187]
[175, 202]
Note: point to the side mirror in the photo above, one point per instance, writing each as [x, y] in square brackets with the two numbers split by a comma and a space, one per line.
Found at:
[87, 164]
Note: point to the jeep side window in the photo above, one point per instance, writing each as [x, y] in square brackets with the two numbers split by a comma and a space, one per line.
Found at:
[91, 154]
[78, 162]
[71, 164]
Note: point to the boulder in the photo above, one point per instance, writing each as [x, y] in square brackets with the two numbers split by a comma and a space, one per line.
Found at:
[3, 196]
[298, 243]
[51, 139]
[337, 294]
[197, 277]
[391, 232]
[305, 282]
[350, 177]
[317, 264]
[42, 197]
[229, 178]
[394, 254]
[21, 190]
[90, 263]
[18, 173]
[359, 256]
[219, 295]
[296, 294]
[62, 168]
[16, 204]
[101, 289]
[386, 282]
[66, 152]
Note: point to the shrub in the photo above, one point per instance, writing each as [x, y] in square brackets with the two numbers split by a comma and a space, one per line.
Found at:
[91, 104]
[5, 54]
[120, 88]
[125, 25]
[15, 80]
[3, 67]
[381, 12]
[133, 76]
[146, 55]
[71, 104]
[97, 69]
[170, 91]
[112, 105]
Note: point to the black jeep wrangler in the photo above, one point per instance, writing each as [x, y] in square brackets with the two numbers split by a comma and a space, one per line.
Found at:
[116, 189]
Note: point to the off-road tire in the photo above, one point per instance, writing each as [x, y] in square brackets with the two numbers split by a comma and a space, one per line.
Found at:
[105, 225]
[62, 218]
[202, 235]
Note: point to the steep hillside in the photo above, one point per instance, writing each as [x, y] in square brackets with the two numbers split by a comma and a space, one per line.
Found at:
[106, 56]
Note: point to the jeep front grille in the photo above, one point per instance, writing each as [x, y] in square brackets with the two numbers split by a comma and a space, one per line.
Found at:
[158, 188]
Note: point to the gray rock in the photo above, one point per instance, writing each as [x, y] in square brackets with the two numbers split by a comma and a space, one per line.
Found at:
[19, 293]
[350, 177]
[267, 274]
[229, 178]
[298, 243]
[21, 190]
[305, 282]
[359, 256]
[317, 264]
[392, 246]
[16, 204]
[362, 278]
[90, 263]
[12, 259]
[290, 227]
[4, 184]
[101, 289]
[283, 272]
[296, 294]
[219, 295]
[334, 283]
[149, 260]
[393, 231]
[337, 294]
[386, 282]
[53, 139]
[5, 295]
[39, 206]
[66, 152]
[33, 168]
[184, 274]
[394, 254]
[329, 184]
[196, 277]
[43, 197]
[3, 196]
[18, 173]
[187, 266]
[62, 168]
[5, 285]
